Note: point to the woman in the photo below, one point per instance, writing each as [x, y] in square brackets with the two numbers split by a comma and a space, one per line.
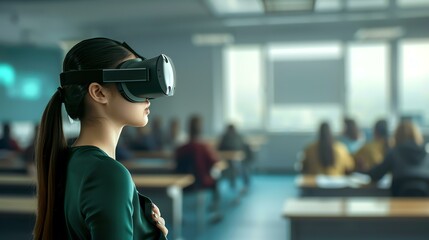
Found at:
[373, 152]
[82, 191]
[408, 159]
[326, 156]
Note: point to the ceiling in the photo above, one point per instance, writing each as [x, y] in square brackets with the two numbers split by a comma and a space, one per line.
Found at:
[50, 21]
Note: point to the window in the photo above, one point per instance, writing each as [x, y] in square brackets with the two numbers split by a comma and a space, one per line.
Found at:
[414, 80]
[368, 82]
[243, 86]
[306, 86]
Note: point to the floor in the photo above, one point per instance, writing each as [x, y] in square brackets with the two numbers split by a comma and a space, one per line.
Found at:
[257, 216]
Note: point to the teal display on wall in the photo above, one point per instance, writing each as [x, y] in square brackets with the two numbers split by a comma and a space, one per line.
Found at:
[29, 76]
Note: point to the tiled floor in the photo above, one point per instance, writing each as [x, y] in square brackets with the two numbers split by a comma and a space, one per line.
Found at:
[256, 217]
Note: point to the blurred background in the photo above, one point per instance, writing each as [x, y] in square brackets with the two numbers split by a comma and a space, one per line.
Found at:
[274, 68]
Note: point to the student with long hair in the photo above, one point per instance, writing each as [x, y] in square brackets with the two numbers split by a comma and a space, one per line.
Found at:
[82, 191]
[407, 160]
[326, 156]
[373, 152]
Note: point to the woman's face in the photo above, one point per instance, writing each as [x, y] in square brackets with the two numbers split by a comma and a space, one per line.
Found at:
[127, 113]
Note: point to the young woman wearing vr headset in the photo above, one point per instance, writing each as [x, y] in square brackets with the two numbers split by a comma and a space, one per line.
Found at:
[82, 191]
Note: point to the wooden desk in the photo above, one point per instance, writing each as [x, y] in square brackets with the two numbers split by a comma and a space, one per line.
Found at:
[17, 180]
[153, 154]
[345, 186]
[18, 205]
[17, 184]
[233, 155]
[357, 218]
[10, 162]
[17, 217]
[146, 165]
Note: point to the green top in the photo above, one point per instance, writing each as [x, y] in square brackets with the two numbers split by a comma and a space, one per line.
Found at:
[101, 200]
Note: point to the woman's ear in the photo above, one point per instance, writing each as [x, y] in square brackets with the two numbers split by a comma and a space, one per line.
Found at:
[98, 93]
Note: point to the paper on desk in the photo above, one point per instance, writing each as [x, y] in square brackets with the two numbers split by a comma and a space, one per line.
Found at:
[324, 181]
[359, 178]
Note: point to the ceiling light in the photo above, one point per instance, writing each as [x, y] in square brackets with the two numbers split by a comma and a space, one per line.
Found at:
[288, 5]
[380, 33]
[212, 39]
[230, 7]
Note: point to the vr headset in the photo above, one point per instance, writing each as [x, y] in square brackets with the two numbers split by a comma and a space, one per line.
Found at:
[137, 79]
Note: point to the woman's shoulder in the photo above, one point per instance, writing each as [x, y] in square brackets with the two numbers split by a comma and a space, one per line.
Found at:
[340, 146]
[95, 161]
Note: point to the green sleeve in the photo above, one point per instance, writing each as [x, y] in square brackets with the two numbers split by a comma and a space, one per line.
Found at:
[106, 201]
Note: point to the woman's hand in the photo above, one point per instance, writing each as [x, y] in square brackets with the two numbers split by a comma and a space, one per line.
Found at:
[160, 222]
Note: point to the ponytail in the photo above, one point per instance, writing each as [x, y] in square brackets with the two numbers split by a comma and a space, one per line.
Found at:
[51, 155]
[326, 148]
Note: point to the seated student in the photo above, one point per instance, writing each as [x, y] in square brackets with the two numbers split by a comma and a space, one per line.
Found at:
[408, 158]
[157, 133]
[231, 139]
[198, 158]
[327, 156]
[29, 151]
[373, 152]
[7, 142]
[175, 137]
[123, 148]
[351, 137]
[144, 140]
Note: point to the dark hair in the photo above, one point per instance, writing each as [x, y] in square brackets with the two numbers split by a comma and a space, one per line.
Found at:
[51, 147]
[195, 127]
[326, 151]
[351, 129]
[381, 132]
[6, 130]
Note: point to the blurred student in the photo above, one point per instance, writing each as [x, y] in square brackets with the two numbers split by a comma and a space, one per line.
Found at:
[373, 152]
[29, 153]
[198, 158]
[123, 148]
[175, 137]
[144, 140]
[232, 140]
[351, 137]
[327, 156]
[7, 142]
[157, 133]
[408, 158]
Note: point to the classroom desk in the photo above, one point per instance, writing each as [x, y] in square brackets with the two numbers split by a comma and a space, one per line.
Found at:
[234, 155]
[357, 218]
[165, 190]
[10, 162]
[163, 161]
[344, 186]
[17, 184]
[147, 165]
[18, 205]
[17, 217]
[168, 155]
[153, 154]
